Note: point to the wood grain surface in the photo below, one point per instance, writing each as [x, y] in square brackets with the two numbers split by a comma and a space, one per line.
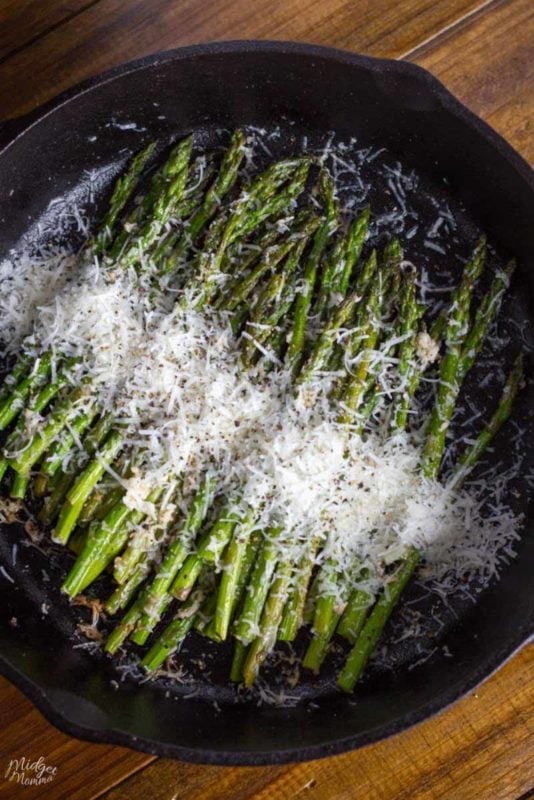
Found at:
[461, 754]
[488, 63]
[24, 21]
[483, 747]
[26, 734]
[112, 31]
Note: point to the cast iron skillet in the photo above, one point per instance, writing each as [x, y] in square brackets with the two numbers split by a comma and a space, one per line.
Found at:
[384, 103]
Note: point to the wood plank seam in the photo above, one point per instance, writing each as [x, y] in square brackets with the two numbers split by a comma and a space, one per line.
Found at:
[47, 31]
[448, 31]
[122, 780]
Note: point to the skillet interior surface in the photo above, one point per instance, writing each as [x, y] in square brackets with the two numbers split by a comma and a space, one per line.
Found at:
[392, 113]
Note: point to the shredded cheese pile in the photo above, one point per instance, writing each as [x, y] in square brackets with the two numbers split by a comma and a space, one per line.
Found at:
[174, 380]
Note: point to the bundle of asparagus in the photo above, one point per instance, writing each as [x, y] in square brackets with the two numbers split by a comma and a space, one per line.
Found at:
[289, 279]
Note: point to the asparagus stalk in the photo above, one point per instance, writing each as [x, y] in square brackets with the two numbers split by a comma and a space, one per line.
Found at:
[164, 205]
[14, 402]
[248, 620]
[343, 352]
[238, 661]
[233, 558]
[175, 632]
[188, 614]
[339, 267]
[126, 591]
[137, 219]
[105, 541]
[262, 200]
[38, 404]
[370, 634]
[451, 372]
[268, 318]
[472, 454]
[19, 371]
[31, 452]
[272, 255]
[244, 575]
[293, 611]
[355, 385]
[209, 551]
[128, 560]
[53, 458]
[303, 302]
[146, 611]
[451, 378]
[62, 482]
[123, 190]
[84, 485]
[326, 340]
[269, 623]
[353, 617]
[405, 330]
[222, 184]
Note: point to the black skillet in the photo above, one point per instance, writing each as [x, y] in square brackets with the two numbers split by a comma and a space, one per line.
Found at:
[385, 104]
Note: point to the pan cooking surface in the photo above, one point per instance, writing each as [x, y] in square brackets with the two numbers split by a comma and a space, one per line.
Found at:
[430, 647]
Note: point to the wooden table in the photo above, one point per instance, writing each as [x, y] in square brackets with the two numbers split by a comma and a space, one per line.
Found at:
[483, 50]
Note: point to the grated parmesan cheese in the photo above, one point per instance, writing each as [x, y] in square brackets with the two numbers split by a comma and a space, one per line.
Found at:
[174, 380]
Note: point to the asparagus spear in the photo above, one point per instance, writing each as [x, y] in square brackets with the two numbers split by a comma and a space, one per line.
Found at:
[247, 623]
[54, 456]
[269, 317]
[84, 485]
[451, 374]
[326, 340]
[146, 611]
[62, 482]
[231, 568]
[472, 454]
[14, 402]
[270, 620]
[338, 269]
[123, 190]
[293, 611]
[243, 577]
[19, 371]
[220, 187]
[164, 205]
[126, 591]
[238, 660]
[139, 216]
[303, 302]
[188, 614]
[39, 402]
[105, 541]
[353, 617]
[175, 632]
[370, 634]
[263, 199]
[354, 387]
[451, 378]
[65, 410]
[241, 288]
[128, 560]
[209, 551]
